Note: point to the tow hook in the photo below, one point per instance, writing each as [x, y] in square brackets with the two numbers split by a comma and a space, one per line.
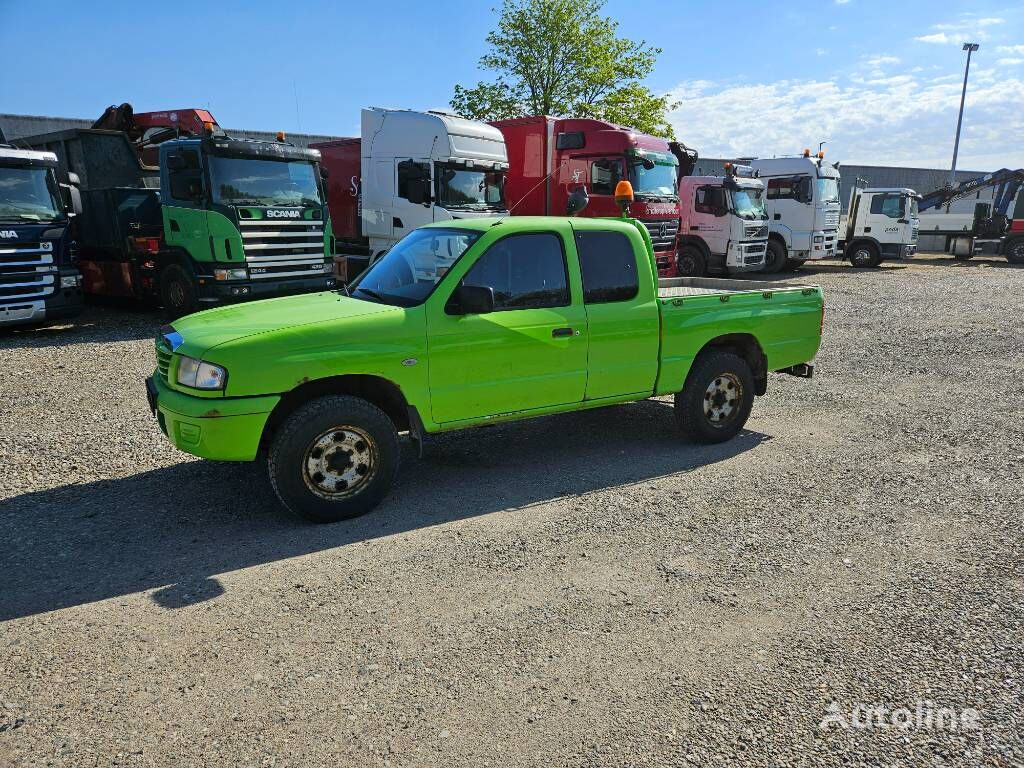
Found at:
[803, 370]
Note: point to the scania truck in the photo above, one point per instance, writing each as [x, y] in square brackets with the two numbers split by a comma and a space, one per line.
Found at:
[723, 224]
[405, 170]
[220, 219]
[881, 223]
[549, 158]
[465, 323]
[39, 278]
[802, 201]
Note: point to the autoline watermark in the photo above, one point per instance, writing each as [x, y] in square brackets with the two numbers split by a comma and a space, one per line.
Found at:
[923, 715]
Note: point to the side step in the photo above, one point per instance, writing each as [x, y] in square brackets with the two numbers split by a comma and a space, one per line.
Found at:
[803, 370]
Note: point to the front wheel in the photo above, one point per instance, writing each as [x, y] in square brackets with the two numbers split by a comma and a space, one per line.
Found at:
[716, 400]
[794, 264]
[333, 459]
[865, 255]
[177, 292]
[691, 262]
[775, 258]
[1014, 251]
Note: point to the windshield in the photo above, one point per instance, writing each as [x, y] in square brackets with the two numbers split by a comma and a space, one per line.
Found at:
[913, 206]
[826, 190]
[244, 181]
[660, 180]
[29, 194]
[459, 187]
[407, 273]
[748, 203]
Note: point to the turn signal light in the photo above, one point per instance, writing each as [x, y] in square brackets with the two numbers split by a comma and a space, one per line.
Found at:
[280, 135]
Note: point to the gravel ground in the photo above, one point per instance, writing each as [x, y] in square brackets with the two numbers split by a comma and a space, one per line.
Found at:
[580, 590]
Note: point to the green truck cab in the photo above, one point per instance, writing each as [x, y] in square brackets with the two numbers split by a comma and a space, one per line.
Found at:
[464, 323]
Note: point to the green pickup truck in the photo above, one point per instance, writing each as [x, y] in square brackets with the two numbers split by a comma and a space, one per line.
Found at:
[464, 323]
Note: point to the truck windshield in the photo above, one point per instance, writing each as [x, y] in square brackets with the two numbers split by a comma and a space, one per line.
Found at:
[245, 181]
[407, 273]
[748, 203]
[826, 190]
[459, 187]
[29, 194]
[658, 181]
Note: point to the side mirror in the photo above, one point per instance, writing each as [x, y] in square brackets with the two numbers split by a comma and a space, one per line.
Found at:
[72, 199]
[419, 191]
[471, 300]
[578, 200]
[323, 173]
[74, 179]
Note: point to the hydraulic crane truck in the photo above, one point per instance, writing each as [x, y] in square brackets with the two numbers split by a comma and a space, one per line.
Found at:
[995, 225]
[218, 219]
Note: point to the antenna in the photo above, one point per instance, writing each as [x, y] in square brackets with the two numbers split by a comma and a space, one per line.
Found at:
[298, 120]
[548, 176]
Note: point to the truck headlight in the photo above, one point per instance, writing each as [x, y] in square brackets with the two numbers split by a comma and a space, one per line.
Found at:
[230, 274]
[819, 238]
[70, 281]
[199, 375]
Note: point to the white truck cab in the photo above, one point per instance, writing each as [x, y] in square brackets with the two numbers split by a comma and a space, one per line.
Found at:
[881, 223]
[723, 224]
[802, 201]
[421, 167]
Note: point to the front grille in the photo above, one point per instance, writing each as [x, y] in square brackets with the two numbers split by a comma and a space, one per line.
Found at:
[26, 271]
[283, 248]
[832, 218]
[755, 230]
[663, 233]
[163, 360]
[753, 253]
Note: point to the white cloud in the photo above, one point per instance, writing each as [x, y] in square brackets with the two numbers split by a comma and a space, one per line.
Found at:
[1010, 62]
[901, 119]
[1011, 49]
[820, 51]
[939, 37]
[841, 2]
[990, 21]
[878, 61]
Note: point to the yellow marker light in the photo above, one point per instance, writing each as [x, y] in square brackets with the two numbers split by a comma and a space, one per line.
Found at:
[807, 153]
[623, 192]
[280, 135]
[208, 126]
[821, 154]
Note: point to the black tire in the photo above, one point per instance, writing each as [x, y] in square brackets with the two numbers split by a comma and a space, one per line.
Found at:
[794, 264]
[333, 459]
[690, 262]
[1014, 250]
[864, 255]
[177, 292]
[775, 257]
[704, 410]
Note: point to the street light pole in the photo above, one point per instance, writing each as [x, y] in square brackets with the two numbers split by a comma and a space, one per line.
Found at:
[970, 48]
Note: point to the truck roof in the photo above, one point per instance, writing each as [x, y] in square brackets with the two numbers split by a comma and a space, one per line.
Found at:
[784, 166]
[740, 181]
[539, 223]
[406, 132]
[28, 156]
[897, 190]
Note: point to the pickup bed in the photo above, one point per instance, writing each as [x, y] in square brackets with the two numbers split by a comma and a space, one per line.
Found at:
[465, 323]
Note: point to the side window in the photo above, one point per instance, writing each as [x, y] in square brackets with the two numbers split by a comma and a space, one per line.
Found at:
[887, 205]
[709, 200]
[791, 188]
[185, 175]
[605, 173]
[526, 272]
[411, 175]
[608, 264]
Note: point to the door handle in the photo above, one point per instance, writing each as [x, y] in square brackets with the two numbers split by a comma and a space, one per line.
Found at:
[558, 333]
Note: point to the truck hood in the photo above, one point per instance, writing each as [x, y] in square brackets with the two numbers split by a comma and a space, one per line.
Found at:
[201, 332]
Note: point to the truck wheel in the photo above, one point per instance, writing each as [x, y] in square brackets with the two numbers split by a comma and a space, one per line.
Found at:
[1014, 251]
[333, 459]
[690, 262]
[794, 264]
[865, 255]
[715, 402]
[177, 292]
[774, 257]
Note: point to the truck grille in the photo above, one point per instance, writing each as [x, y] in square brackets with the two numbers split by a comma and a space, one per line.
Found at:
[279, 248]
[753, 253]
[663, 233]
[832, 219]
[163, 361]
[755, 230]
[26, 271]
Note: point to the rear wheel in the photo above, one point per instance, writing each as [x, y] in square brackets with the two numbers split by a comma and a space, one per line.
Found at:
[716, 400]
[865, 255]
[775, 257]
[690, 262]
[333, 459]
[177, 292]
[1014, 250]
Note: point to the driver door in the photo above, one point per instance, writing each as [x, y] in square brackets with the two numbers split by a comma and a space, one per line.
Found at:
[530, 352]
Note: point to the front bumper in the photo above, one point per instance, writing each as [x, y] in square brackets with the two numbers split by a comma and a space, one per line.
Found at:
[242, 290]
[220, 428]
[746, 255]
[59, 305]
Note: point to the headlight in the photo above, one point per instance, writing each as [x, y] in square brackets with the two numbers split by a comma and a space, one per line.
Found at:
[819, 238]
[69, 281]
[46, 245]
[199, 375]
[230, 274]
[328, 266]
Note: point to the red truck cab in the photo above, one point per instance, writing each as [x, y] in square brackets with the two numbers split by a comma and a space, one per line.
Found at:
[550, 157]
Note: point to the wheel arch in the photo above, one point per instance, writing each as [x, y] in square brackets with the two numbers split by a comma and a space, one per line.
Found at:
[379, 391]
[744, 345]
[775, 237]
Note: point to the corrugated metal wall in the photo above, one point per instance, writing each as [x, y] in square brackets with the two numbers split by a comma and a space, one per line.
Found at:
[15, 126]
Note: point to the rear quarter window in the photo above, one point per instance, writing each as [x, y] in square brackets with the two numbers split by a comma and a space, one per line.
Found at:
[608, 265]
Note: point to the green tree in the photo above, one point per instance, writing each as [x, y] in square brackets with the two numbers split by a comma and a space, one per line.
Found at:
[561, 57]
